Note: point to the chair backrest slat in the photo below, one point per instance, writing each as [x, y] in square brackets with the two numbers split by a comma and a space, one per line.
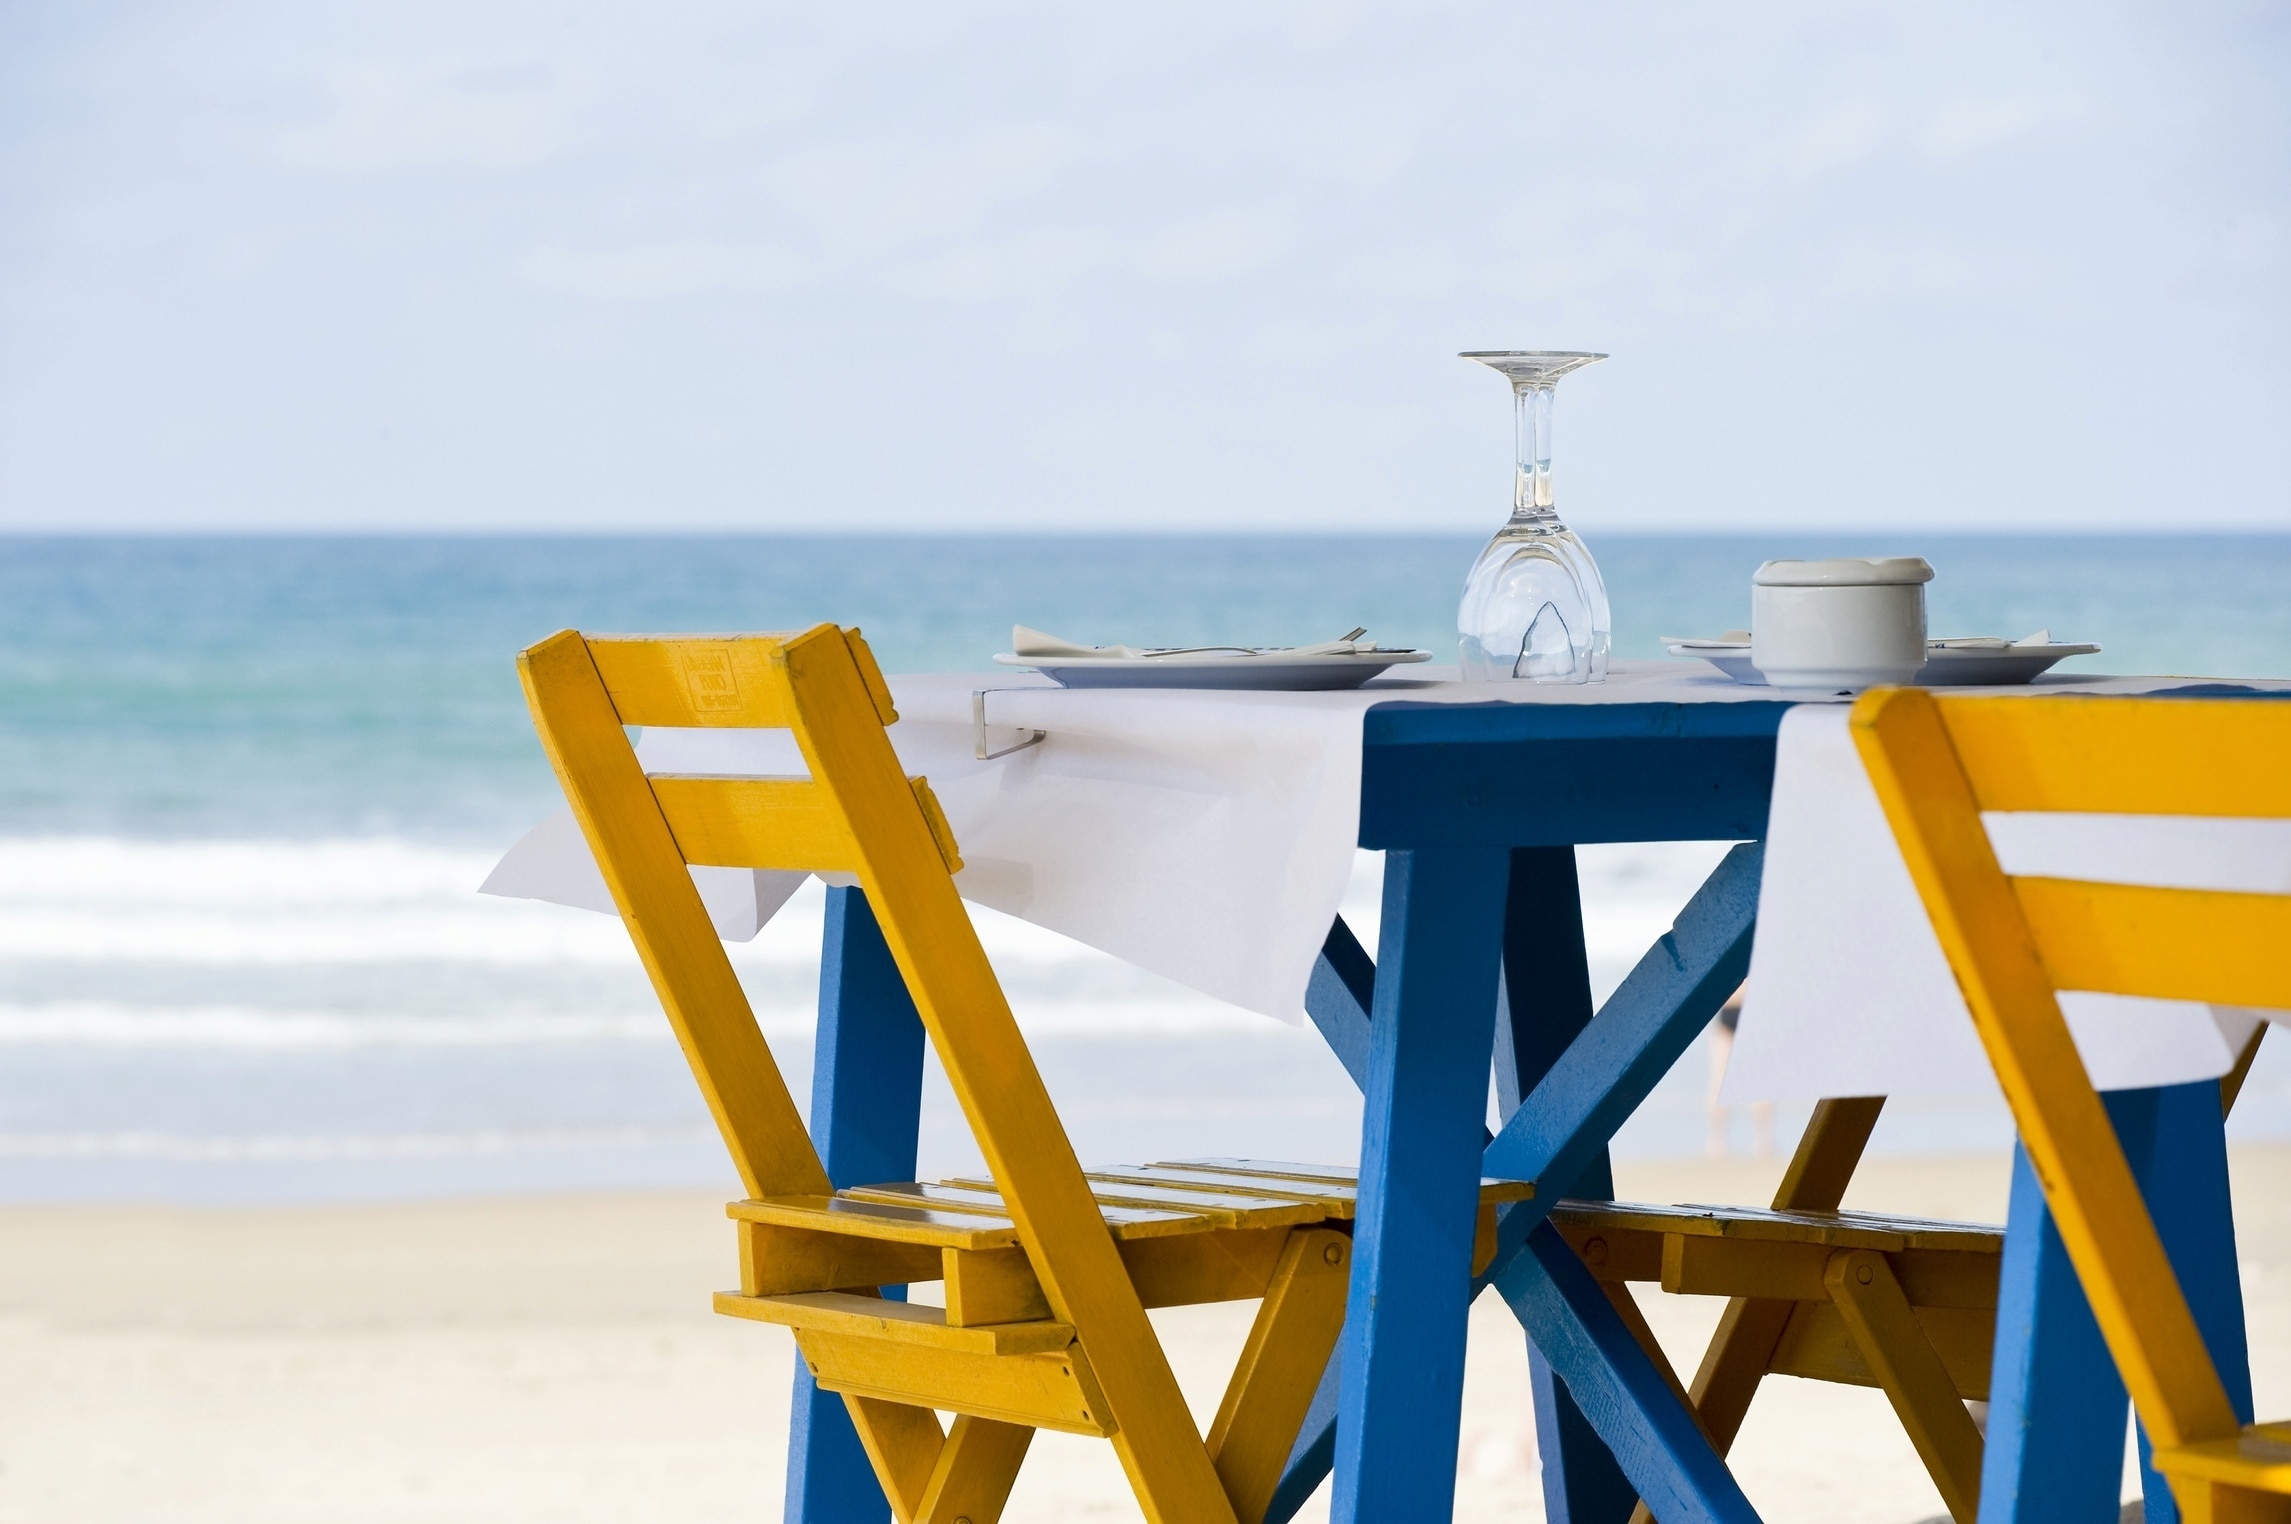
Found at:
[784, 823]
[711, 680]
[787, 823]
[2173, 944]
[2127, 756]
[693, 680]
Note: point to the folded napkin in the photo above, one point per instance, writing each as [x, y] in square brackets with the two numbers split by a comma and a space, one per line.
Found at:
[1035, 644]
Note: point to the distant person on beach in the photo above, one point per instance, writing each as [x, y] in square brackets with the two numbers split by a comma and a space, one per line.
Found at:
[1761, 1112]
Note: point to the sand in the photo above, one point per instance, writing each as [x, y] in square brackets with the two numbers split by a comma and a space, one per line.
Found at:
[554, 1359]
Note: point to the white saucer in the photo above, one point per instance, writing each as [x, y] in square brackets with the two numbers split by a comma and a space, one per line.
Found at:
[1947, 665]
[1270, 669]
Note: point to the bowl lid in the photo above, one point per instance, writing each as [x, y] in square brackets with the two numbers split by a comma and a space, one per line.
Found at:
[1845, 571]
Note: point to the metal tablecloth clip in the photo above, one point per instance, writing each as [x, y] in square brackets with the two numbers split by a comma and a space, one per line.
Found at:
[978, 728]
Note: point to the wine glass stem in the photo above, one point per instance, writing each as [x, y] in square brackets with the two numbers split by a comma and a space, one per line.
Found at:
[1531, 495]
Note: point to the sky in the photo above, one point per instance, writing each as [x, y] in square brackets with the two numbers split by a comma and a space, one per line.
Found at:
[953, 266]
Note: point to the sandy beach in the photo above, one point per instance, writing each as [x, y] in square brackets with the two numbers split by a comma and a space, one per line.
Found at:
[553, 1358]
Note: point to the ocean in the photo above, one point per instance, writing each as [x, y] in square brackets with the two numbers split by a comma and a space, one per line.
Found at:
[248, 787]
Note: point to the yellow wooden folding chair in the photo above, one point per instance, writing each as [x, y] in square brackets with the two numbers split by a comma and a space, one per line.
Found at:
[1938, 763]
[1047, 1270]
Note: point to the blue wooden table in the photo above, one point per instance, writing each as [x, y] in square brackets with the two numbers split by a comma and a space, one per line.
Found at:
[1479, 809]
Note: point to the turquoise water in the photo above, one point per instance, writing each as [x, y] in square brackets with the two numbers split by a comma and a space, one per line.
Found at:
[223, 686]
[248, 787]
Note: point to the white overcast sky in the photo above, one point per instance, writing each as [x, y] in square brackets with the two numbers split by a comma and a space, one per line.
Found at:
[757, 266]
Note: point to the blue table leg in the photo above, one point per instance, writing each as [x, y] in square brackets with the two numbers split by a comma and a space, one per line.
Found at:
[2185, 1182]
[2054, 1450]
[866, 1106]
[1546, 1002]
[2056, 1403]
[1430, 1042]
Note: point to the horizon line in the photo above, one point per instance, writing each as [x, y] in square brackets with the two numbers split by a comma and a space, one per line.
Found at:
[1104, 532]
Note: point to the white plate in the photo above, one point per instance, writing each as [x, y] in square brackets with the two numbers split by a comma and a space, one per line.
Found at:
[1946, 666]
[1268, 670]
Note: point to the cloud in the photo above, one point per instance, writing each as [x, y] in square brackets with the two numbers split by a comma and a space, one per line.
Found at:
[1968, 125]
[1219, 246]
[436, 113]
[870, 195]
[1842, 136]
[1864, 268]
[670, 267]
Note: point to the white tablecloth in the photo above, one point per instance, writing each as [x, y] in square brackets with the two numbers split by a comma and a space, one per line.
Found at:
[1849, 992]
[1209, 836]
[1205, 836]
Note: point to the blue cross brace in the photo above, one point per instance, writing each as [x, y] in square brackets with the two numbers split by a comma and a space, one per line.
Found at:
[1560, 1132]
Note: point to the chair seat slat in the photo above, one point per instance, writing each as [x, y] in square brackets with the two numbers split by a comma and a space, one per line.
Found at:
[1224, 1211]
[1858, 1230]
[1125, 1222]
[1492, 1191]
[902, 1322]
[2258, 1458]
[871, 1219]
[1336, 1200]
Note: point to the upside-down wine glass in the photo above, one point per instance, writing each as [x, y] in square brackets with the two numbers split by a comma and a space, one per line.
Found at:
[1534, 606]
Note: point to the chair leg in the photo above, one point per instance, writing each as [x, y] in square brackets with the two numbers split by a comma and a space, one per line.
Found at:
[904, 1444]
[1280, 1368]
[2231, 1083]
[1627, 1308]
[1751, 1328]
[1886, 1331]
[975, 1471]
[1740, 1354]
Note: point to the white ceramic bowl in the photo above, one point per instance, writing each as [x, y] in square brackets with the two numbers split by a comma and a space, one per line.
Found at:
[1844, 623]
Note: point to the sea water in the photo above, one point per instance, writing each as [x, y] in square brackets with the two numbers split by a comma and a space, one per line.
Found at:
[248, 787]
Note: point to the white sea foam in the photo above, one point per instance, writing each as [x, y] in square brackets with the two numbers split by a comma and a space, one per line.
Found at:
[273, 903]
[350, 986]
[305, 1148]
[101, 1024]
[351, 901]
[359, 917]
